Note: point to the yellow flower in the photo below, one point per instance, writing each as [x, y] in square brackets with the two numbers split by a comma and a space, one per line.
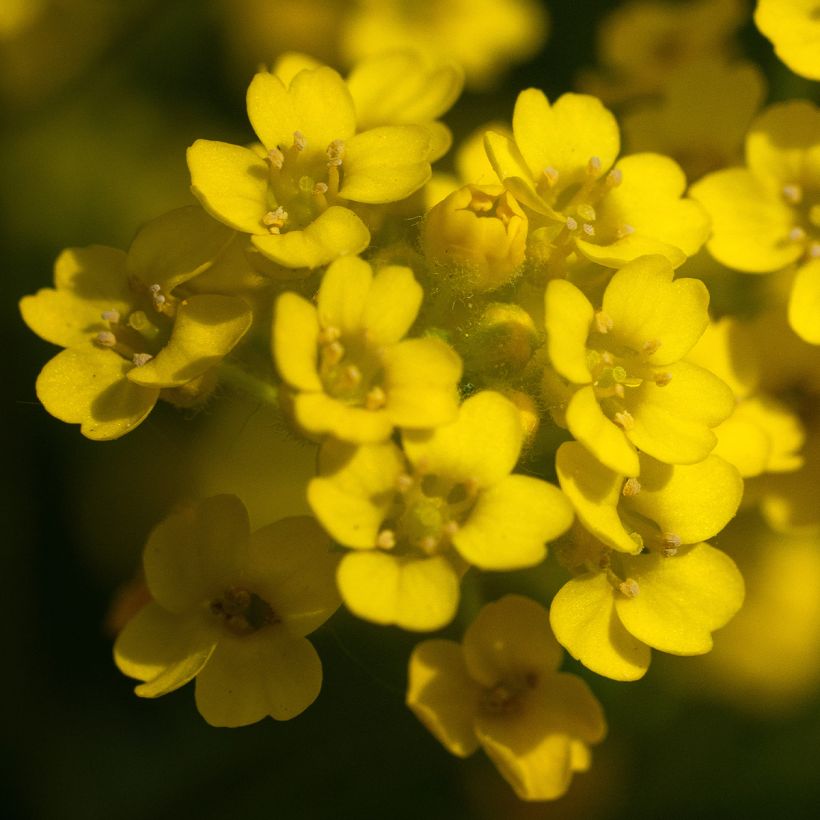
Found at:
[762, 434]
[415, 518]
[560, 164]
[482, 36]
[232, 610]
[645, 41]
[766, 216]
[291, 196]
[793, 26]
[353, 375]
[619, 372]
[500, 689]
[701, 117]
[131, 337]
[476, 238]
[406, 88]
[673, 594]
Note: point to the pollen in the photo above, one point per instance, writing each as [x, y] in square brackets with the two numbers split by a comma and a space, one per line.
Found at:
[404, 483]
[650, 347]
[614, 178]
[299, 141]
[793, 194]
[797, 234]
[624, 231]
[139, 359]
[112, 316]
[106, 338]
[625, 420]
[594, 166]
[572, 225]
[588, 229]
[335, 152]
[276, 158]
[631, 487]
[275, 220]
[386, 540]
[603, 322]
[630, 588]
[663, 378]
[375, 399]
[551, 175]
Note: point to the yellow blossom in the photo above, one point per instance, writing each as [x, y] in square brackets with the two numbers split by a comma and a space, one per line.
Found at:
[482, 36]
[415, 520]
[131, 336]
[560, 163]
[232, 610]
[500, 689]
[292, 195]
[619, 375]
[352, 373]
[793, 26]
[476, 238]
[675, 591]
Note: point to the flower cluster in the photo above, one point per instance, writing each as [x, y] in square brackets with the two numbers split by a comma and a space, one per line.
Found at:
[516, 364]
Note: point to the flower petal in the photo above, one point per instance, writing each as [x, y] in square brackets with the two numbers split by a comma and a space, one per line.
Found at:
[386, 164]
[602, 437]
[354, 490]
[162, 649]
[343, 293]
[337, 232]
[508, 638]
[270, 110]
[295, 341]
[682, 599]
[290, 562]
[585, 622]
[458, 450]
[594, 491]
[231, 182]
[319, 413]
[443, 696]
[207, 327]
[510, 523]
[804, 303]
[251, 677]
[392, 304]
[88, 385]
[416, 594]
[568, 317]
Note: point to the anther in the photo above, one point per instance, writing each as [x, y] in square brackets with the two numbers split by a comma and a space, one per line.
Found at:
[586, 212]
[158, 296]
[614, 178]
[650, 347]
[450, 528]
[299, 141]
[551, 175]
[386, 540]
[671, 543]
[589, 230]
[112, 316]
[630, 588]
[335, 152]
[276, 158]
[328, 335]
[793, 193]
[404, 483]
[139, 359]
[624, 231]
[814, 250]
[428, 544]
[353, 376]
[663, 378]
[572, 225]
[631, 487]
[603, 322]
[594, 166]
[333, 353]
[320, 188]
[625, 420]
[106, 338]
[275, 220]
[797, 234]
[375, 399]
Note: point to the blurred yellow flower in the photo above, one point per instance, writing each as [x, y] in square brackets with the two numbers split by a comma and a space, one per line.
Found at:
[232, 610]
[500, 689]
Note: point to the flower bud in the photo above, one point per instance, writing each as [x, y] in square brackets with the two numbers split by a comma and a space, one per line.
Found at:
[502, 341]
[476, 237]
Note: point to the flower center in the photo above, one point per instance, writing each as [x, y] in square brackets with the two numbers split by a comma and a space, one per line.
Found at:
[427, 512]
[805, 205]
[302, 183]
[351, 369]
[617, 368]
[242, 612]
[142, 333]
[507, 696]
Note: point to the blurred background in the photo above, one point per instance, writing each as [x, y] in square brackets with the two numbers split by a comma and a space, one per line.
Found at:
[99, 101]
